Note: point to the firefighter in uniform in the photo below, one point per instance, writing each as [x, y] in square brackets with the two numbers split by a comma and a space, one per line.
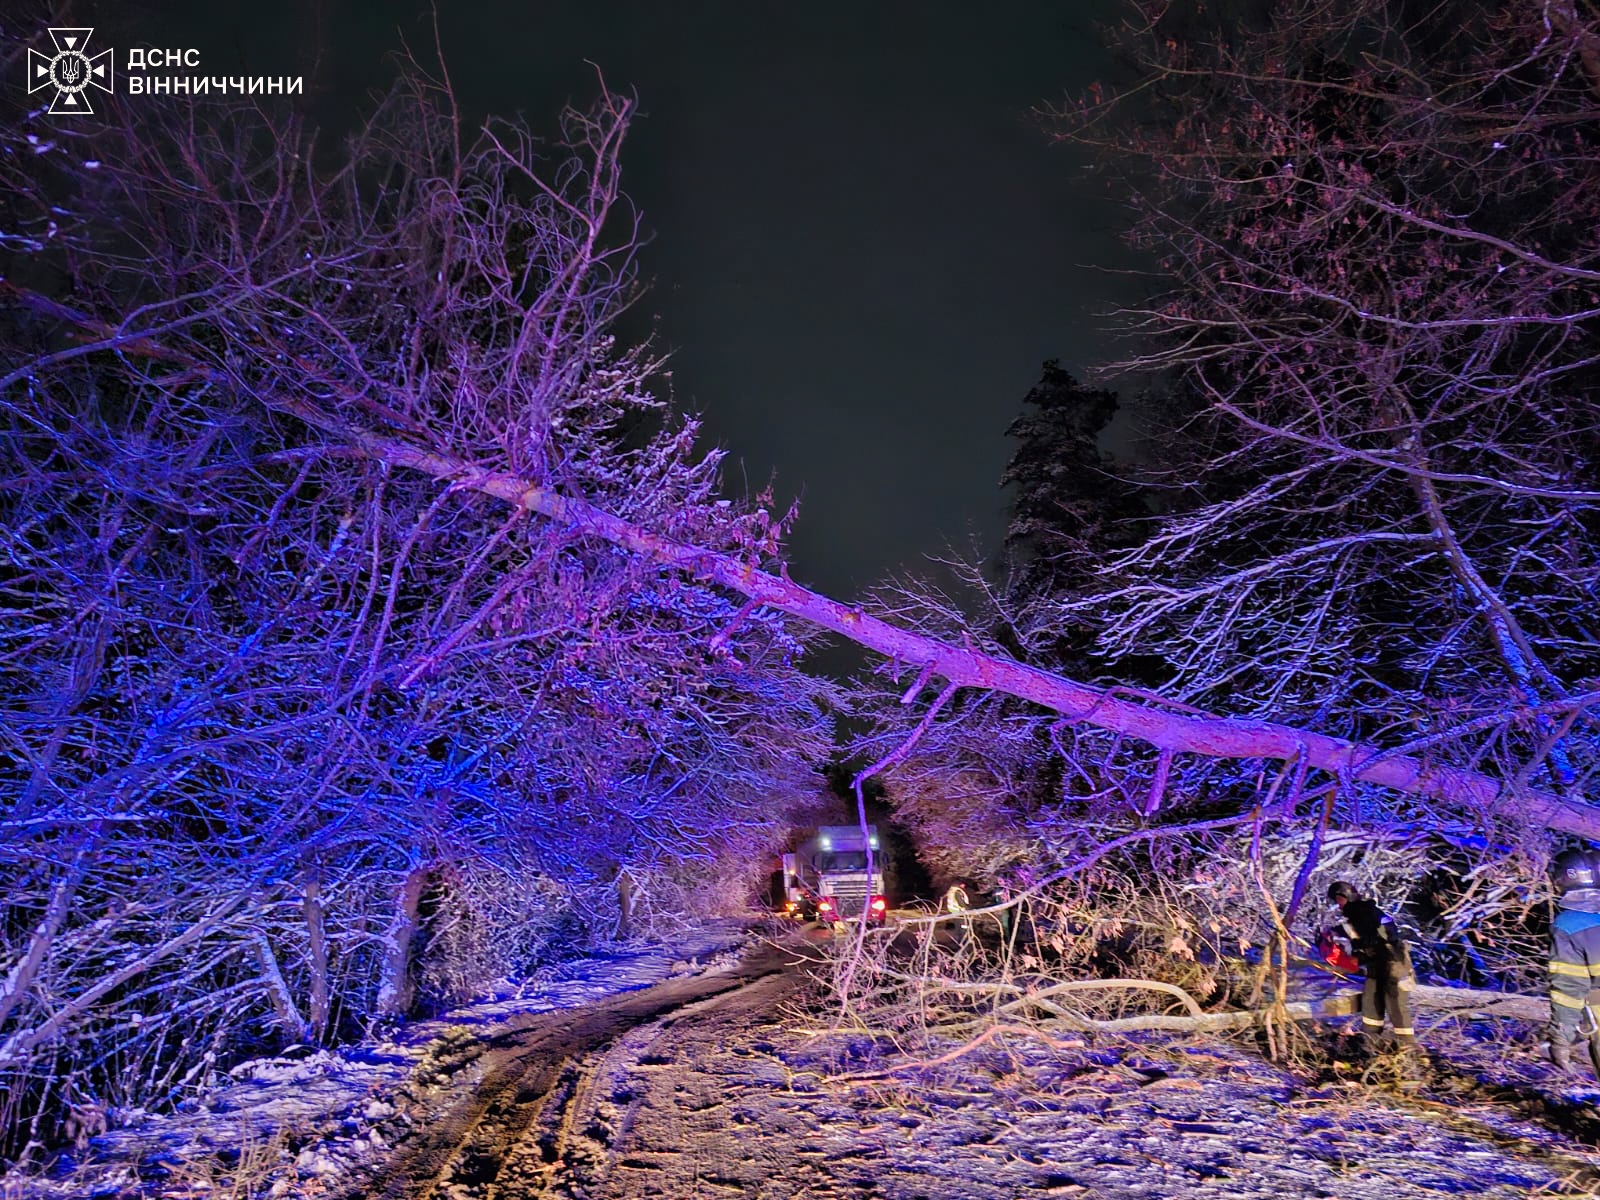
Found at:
[1574, 951]
[1385, 961]
[956, 900]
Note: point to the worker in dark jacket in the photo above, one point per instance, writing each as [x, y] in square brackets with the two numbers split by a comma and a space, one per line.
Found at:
[1385, 961]
[1574, 951]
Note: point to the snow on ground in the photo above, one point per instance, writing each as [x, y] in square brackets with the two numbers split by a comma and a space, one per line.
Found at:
[759, 1111]
[735, 1096]
[332, 1109]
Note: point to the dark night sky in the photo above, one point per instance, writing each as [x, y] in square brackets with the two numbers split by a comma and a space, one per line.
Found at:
[863, 248]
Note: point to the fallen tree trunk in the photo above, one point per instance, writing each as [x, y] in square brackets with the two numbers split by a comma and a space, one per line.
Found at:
[1466, 1002]
[1142, 717]
[1138, 715]
[1472, 1002]
[1462, 1001]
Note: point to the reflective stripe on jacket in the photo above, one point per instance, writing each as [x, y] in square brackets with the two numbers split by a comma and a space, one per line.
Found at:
[1574, 962]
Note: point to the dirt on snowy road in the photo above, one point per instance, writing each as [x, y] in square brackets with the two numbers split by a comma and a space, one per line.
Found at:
[707, 1086]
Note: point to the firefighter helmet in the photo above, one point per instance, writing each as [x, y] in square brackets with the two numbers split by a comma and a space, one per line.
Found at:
[1575, 871]
[1340, 890]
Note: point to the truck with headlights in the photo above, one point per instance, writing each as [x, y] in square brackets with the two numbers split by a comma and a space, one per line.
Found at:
[837, 874]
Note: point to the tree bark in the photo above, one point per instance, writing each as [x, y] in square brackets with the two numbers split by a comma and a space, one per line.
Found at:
[317, 959]
[1460, 1001]
[624, 905]
[396, 986]
[1104, 708]
[288, 1013]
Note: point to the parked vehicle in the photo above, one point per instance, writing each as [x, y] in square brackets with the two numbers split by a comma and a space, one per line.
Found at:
[831, 867]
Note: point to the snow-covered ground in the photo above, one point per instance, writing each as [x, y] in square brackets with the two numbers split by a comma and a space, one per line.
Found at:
[746, 1092]
[323, 1113]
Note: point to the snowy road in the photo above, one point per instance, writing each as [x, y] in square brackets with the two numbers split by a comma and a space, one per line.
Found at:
[545, 1121]
[705, 1086]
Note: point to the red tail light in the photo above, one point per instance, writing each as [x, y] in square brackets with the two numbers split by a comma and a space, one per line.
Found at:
[824, 905]
[879, 904]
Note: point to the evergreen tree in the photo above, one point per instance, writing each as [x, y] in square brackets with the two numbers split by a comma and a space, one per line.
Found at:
[1070, 505]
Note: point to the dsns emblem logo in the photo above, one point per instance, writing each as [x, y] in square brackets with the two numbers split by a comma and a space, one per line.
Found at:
[70, 71]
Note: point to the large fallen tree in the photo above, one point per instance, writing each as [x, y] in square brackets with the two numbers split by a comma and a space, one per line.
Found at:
[1133, 714]
[1167, 727]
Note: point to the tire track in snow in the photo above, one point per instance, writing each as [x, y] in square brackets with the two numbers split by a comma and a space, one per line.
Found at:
[524, 1113]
